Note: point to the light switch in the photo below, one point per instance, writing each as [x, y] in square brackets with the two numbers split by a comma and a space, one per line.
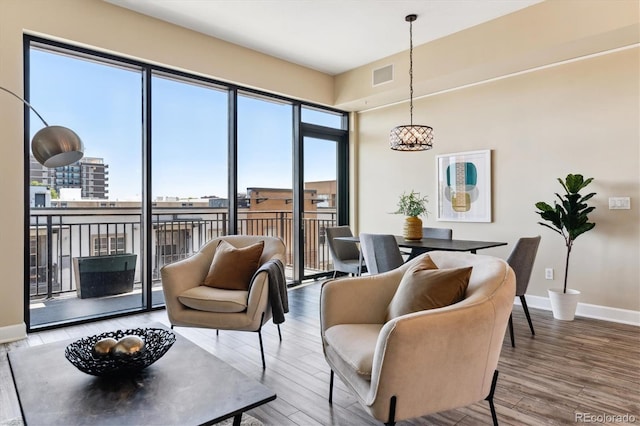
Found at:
[619, 203]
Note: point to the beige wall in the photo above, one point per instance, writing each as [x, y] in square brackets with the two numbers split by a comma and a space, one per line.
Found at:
[102, 26]
[542, 34]
[580, 117]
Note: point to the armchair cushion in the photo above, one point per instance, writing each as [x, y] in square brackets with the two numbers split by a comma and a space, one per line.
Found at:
[424, 287]
[355, 344]
[209, 299]
[232, 268]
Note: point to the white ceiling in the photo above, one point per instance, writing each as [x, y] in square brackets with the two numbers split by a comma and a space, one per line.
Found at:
[331, 36]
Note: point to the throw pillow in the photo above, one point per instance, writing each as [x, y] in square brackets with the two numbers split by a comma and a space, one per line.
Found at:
[232, 268]
[427, 288]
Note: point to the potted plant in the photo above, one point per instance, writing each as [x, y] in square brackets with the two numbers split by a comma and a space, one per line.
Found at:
[412, 205]
[568, 218]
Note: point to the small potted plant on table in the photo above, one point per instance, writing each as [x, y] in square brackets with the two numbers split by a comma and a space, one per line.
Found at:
[412, 205]
[568, 218]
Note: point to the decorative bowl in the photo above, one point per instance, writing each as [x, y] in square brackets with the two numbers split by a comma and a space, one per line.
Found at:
[156, 343]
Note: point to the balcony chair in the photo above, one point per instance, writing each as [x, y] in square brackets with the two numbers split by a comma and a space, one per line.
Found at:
[345, 254]
[226, 303]
[381, 252]
[421, 361]
[521, 260]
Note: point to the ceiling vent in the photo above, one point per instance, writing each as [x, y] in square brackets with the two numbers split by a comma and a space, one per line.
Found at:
[383, 75]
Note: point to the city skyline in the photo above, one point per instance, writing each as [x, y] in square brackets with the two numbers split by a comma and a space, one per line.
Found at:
[103, 104]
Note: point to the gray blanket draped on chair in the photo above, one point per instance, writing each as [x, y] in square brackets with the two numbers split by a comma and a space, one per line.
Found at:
[277, 289]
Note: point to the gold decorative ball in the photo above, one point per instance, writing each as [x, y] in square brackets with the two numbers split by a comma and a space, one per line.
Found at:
[128, 345]
[103, 346]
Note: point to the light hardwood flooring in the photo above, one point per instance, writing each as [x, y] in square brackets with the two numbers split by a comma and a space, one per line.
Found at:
[585, 367]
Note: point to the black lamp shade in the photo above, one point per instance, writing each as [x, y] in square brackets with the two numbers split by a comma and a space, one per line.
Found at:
[411, 138]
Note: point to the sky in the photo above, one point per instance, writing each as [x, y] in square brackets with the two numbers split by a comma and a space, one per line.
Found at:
[103, 105]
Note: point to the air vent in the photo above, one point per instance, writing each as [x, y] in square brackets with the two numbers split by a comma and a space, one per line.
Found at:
[383, 75]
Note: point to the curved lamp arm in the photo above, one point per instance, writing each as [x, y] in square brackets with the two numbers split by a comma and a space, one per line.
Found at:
[53, 146]
[27, 104]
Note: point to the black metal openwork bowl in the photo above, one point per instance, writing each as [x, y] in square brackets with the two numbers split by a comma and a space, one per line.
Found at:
[156, 343]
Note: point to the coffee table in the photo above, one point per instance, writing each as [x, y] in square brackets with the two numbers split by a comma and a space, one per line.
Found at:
[187, 386]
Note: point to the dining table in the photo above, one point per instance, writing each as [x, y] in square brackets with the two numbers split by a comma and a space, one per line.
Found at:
[428, 244]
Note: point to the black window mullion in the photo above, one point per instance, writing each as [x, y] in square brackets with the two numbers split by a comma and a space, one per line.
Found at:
[233, 162]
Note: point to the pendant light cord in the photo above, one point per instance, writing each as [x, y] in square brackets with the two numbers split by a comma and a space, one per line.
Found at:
[411, 72]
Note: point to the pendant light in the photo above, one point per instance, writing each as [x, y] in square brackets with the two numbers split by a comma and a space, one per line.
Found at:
[53, 146]
[412, 137]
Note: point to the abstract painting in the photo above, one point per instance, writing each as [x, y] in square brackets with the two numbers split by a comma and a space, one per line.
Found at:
[464, 186]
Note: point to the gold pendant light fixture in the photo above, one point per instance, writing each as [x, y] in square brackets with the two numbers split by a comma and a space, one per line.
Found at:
[412, 137]
[53, 146]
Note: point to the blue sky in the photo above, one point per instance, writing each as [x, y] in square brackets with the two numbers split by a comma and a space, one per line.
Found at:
[103, 105]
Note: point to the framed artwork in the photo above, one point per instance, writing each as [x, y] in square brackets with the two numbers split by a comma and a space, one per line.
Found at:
[464, 186]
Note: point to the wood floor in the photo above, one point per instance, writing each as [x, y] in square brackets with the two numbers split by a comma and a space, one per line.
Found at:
[584, 367]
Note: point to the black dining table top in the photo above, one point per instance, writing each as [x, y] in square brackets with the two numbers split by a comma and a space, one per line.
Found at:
[427, 244]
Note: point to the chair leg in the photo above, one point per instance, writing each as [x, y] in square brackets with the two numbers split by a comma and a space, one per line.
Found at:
[331, 388]
[513, 343]
[392, 412]
[279, 333]
[489, 398]
[526, 312]
[264, 365]
[217, 332]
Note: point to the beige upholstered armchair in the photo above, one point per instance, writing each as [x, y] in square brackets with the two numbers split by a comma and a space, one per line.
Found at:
[422, 362]
[190, 303]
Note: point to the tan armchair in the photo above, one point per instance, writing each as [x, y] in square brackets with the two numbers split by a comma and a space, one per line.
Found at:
[220, 309]
[426, 361]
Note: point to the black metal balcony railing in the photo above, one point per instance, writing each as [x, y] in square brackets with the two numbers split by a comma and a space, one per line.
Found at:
[59, 235]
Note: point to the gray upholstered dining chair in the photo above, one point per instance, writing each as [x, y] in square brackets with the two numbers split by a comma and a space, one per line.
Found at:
[521, 261]
[381, 252]
[428, 232]
[345, 254]
[440, 233]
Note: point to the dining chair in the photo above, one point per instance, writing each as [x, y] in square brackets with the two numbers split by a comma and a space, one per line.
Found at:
[521, 261]
[381, 252]
[345, 254]
[440, 233]
[428, 232]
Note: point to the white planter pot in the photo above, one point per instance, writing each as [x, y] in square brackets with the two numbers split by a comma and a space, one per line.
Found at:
[563, 305]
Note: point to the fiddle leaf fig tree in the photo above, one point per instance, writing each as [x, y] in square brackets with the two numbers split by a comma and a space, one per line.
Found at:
[569, 216]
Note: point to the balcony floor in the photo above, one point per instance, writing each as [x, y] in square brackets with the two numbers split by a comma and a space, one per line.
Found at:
[67, 307]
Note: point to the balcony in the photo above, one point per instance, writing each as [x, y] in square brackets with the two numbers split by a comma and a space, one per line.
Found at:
[58, 236]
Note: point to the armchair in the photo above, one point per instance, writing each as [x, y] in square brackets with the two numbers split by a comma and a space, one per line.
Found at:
[426, 361]
[191, 304]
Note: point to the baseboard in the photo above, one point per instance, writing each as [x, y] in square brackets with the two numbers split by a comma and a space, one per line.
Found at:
[623, 316]
[11, 333]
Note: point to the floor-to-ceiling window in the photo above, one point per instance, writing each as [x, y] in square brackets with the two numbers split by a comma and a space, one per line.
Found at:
[189, 168]
[171, 161]
[265, 139]
[85, 217]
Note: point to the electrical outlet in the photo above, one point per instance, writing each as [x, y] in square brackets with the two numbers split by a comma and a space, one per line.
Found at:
[548, 273]
[619, 203]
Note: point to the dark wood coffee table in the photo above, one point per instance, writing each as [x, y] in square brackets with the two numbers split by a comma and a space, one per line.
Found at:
[187, 386]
